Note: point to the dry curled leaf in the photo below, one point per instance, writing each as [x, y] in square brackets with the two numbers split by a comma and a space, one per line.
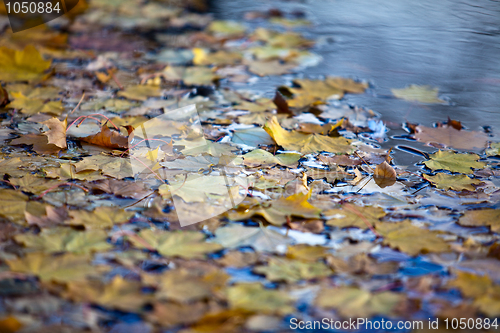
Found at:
[107, 138]
[57, 132]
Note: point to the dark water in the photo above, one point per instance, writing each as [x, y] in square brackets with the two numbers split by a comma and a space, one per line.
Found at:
[453, 45]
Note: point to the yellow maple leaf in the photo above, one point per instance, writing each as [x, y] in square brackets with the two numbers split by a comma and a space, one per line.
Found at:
[26, 65]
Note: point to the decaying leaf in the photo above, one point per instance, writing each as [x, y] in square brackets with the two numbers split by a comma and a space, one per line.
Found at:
[447, 160]
[411, 239]
[306, 143]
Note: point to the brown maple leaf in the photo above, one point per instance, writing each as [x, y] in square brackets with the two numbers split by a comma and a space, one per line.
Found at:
[107, 138]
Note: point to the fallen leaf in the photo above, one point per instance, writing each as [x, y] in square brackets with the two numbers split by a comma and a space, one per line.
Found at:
[447, 160]
[238, 259]
[265, 159]
[384, 175]
[64, 268]
[107, 138]
[31, 106]
[255, 298]
[227, 29]
[34, 184]
[289, 270]
[411, 239]
[361, 264]
[140, 92]
[352, 302]
[99, 218]
[306, 253]
[269, 67]
[25, 65]
[453, 182]
[54, 216]
[276, 211]
[121, 188]
[172, 314]
[39, 142]
[472, 285]
[451, 137]
[65, 240]
[306, 143]
[184, 286]
[259, 238]
[219, 58]
[57, 132]
[494, 149]
[350, 217]
[481, 217]
[184, 244]
[421, 94]
[13, 205]
[119, 294]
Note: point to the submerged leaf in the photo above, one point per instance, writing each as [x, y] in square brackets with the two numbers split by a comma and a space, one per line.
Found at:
[451, 137]
[415, 93]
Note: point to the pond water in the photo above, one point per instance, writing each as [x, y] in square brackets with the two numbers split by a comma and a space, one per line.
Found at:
[452, 45]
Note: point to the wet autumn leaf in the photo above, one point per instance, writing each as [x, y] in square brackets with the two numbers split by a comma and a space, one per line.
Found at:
[25, 65]
[13, 205]
[361, 264]
[453, 182]
[184, 244]
[306, 143]
[119, 294]
[34, 184]
[99, 218]
[448, 136]
[269, 67]
[263, 158]
[261, 239]
[488, 217]
[107, 138]
[421, 94]
[53, 216]
[306, 253]
[276, 212]
[220, 58]
[140, 92]
[289, 270]
[63, 268]
[31, 106]
[494, 149]
[39, 142]
[121, 188]
[255, 298]
[184, 286]
[65, 240]
[57, 132]
[384, 175]
[447, 160]
[411, 239]
[352, 302]
[350, 216]
[226, 28]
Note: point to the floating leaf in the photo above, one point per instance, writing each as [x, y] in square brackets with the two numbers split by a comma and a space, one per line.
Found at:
[25, 65]
[453, 182]
[352, 302]
[448, 136]
[288, 270]
[184, 244]
[411, 239]
[306, 143]
[447, 160]
[384, 175]
[489, 217]
[421, 94]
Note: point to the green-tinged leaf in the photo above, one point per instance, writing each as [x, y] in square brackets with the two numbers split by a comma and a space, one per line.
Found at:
[447, 160]
[416, 93]
[453, 182]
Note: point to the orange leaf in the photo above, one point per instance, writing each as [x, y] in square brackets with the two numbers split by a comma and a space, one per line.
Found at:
[107, 138]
